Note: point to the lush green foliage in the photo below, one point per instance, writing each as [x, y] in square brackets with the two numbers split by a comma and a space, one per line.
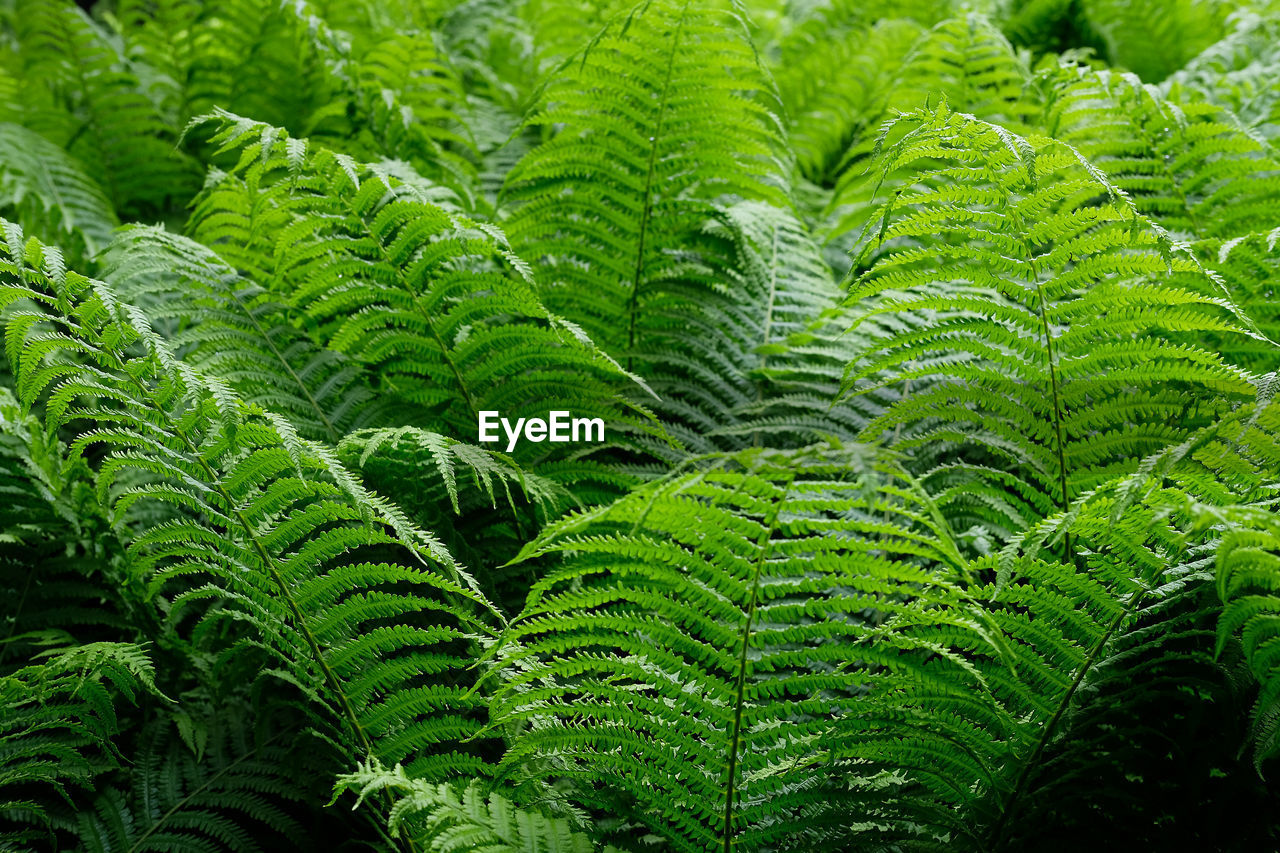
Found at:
[936, 345]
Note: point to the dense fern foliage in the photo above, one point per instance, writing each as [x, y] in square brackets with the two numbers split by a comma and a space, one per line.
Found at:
[936, 351]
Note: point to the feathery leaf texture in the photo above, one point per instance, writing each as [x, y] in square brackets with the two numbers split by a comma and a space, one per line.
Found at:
[445, 820]
[936, 348]
[437, 306]
[701, 639]
[1050, 348]
[261, 521]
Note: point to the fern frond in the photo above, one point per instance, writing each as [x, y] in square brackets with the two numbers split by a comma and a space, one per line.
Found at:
[46, 191]
[86, 99]
[481, 503]
[1249, 266]
[60, 561]
[405, 101]
[59, 715]
[1236, 74]
[795, 353]
[834, 86]
[688, 660]
[234, 796]
[346, 599]
[966, 63]
[1185, 166]
[1091, 642]
[258, 58]
[1051, 330]
[1248, 563]
[437, 306]
[234, 329]
[445, 820]
[663, 111]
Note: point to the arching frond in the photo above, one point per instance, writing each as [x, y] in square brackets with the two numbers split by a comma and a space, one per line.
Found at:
[236, 330]
[84, 97]
[1249, 266]
[1249, 586]
[1050, 344]
[796, 352]
[700, 641]
[437, 306]
[834, 86]
[661, 130]
[60, 561]
[235, 795]
[58, 718]
[482, 504]
[401, 99]
[1185, 166]
[46, 191]
[444, 820]
[966, 63]
[363, 612]
[1236, 73]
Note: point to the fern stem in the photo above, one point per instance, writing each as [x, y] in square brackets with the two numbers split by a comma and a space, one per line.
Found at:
[647, 212]
[1057, 406]
[207, 782]
[741, 688]
[329, 428]
[269, 564]
[1019, 787]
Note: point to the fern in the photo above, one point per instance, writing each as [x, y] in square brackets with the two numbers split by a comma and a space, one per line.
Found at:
[795, 355]
[702, 638]
[1235, 73]
[407, 94]
[240, 333]
[483, 505]
[1154, 39]
[264, 524]
[671, 135]
[47, 191]
[60, 560]
[967, 63]
[87, 100]
[935, 345]
[234, 795]
[470, 821]
[439, 306]
[833, 87]
[59, 717]
[1187, 167]
[1248, 586]
[1049, 345]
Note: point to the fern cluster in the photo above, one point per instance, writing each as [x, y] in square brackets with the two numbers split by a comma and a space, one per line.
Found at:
[937, 347]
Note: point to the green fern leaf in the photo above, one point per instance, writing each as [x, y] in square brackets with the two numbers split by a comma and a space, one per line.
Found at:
[46, 191]
[324, 575]
[438, 307]
[686, 664]
[445, 821]
[1052, 330]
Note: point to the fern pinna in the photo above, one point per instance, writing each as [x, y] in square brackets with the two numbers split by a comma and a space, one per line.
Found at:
[933, 348]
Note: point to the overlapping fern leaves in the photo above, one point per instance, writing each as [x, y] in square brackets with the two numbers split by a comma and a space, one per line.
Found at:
[259, 528]
[704, 639]
[1049, 349]
[437, 307]
[936, 346]
[662, 115]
